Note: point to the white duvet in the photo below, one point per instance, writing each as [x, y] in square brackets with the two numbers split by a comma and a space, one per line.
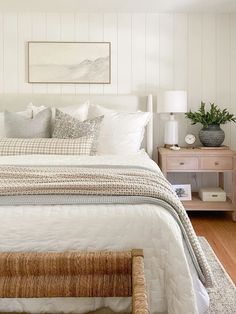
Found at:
[172, 282]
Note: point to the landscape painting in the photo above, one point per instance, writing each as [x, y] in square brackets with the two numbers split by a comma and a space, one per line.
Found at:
[69, 62]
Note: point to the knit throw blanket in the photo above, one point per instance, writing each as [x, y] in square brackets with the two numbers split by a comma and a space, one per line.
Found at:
[128, 182]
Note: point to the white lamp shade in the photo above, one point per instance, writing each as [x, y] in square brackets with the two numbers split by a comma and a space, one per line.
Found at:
[173, 101]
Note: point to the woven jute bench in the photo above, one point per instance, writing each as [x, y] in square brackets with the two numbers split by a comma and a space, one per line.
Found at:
[75, 274]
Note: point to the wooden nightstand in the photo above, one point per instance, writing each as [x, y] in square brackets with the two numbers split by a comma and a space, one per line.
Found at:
[200, 160]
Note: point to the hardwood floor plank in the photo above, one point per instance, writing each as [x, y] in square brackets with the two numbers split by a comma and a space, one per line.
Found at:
[220, 231]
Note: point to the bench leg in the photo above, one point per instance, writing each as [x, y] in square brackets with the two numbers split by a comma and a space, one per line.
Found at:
[139, 293]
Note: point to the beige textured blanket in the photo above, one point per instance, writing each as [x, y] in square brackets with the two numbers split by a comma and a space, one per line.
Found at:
[103, 182]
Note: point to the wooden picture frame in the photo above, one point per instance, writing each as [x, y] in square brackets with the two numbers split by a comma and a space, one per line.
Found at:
[183, 191]
[69, 62]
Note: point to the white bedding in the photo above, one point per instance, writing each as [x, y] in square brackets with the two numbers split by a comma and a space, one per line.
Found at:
[173, 285]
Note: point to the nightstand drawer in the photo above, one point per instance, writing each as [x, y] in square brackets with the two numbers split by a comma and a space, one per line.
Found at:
[182, 163]
[216, 163]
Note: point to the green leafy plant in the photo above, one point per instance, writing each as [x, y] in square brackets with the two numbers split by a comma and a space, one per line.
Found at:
[213, 116]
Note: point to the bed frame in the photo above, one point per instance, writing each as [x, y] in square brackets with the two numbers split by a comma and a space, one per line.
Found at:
[18, 102]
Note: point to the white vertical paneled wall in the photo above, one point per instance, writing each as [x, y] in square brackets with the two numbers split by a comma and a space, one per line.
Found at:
[150, 52]
[10, 53]
[111, 35]
[124, 54]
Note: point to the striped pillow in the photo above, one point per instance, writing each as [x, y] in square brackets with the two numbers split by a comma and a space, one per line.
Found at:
[51, 146]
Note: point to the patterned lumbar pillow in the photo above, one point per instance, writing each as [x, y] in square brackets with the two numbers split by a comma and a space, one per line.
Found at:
[67, 126]
[17, 126]
[52, 146]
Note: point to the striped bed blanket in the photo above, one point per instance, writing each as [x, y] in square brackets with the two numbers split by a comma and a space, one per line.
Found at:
[107, 185]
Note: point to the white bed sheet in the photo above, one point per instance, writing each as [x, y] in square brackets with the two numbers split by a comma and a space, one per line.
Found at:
[173, 285]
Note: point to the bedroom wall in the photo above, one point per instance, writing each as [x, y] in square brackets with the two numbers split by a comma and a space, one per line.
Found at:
[150, 52]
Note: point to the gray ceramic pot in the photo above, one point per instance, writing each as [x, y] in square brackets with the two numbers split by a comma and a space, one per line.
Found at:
[212, 136]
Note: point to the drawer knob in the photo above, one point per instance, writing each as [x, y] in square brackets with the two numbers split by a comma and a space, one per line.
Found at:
[181, 163]
[217, 163]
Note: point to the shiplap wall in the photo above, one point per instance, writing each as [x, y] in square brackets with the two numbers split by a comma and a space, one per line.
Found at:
[150, 52]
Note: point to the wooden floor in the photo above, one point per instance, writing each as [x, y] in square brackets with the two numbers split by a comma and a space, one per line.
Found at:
[220, 231]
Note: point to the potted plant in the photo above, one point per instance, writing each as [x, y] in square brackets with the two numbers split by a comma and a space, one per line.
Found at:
[211, 134]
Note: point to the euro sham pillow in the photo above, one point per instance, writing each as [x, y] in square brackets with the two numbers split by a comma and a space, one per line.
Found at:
[27, 113]
[121, 132]
[48, 146]
[79, 111]
[66, 126]
[17, 126]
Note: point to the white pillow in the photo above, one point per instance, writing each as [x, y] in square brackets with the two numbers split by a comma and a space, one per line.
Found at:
[27, 113]
[35, 109]
[79, 112]
[121, 132]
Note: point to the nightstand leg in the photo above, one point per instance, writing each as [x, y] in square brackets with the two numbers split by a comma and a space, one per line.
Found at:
[234, 189]
[221, 185]
[234, 215]
[221, 180]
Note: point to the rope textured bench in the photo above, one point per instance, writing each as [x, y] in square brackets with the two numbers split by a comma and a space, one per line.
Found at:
[75, 274]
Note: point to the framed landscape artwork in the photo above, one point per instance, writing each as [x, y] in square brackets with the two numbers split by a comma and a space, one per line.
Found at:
[69, 62]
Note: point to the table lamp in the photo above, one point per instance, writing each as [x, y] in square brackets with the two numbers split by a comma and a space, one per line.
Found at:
[173, 101]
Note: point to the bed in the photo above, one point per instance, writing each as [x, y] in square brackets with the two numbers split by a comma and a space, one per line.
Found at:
[114, 222]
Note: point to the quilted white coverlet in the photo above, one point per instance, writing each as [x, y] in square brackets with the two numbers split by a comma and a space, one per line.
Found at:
[172, 280]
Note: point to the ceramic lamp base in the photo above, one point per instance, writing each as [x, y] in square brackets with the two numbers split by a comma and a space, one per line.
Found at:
[171, 131]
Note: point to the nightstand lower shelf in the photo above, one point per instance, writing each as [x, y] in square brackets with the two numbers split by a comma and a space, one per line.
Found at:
[197, 204]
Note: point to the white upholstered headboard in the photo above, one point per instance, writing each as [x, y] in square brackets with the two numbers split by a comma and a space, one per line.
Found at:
[18, 102]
